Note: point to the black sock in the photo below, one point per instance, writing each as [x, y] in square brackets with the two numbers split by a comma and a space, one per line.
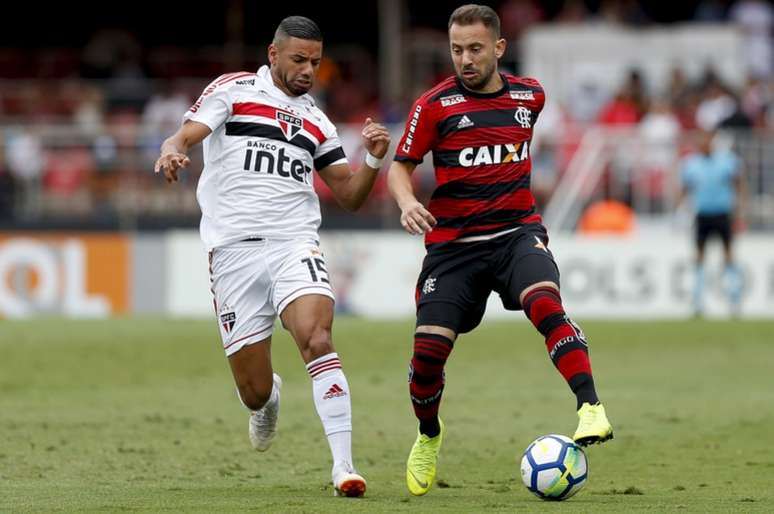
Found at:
[582, 385]
[430, 427]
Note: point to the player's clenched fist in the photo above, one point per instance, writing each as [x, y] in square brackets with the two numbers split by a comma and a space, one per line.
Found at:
[171, 163]
[376, 138]
[416, 219]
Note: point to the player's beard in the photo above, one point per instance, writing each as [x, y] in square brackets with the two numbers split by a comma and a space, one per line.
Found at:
[298, 89]
[485, 74]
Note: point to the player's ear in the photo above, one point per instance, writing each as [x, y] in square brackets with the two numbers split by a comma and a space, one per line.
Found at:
[273, 54]
[500, 45]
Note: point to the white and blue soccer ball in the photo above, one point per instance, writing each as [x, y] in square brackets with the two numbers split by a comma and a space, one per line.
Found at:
[554, 467]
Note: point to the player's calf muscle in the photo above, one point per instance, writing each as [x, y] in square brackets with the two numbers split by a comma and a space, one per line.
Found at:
[318, 344]
[253, 392]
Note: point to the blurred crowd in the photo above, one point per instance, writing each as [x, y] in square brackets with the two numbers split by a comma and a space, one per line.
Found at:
[81, 127]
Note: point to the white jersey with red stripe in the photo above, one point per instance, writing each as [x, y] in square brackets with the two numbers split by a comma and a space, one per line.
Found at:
[259, 159]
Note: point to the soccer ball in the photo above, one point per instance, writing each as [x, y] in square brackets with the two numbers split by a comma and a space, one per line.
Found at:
[554, 467]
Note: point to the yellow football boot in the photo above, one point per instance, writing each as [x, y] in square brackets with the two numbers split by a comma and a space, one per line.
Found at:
[593, 426]
[420, 468]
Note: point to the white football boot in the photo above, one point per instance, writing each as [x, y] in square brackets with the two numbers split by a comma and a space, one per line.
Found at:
[263, 423]
[346, 481]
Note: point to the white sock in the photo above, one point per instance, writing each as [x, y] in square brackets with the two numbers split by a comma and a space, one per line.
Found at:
[341, 447]
[734, 283]
[698, 288]
[330, 391]
[272, 398]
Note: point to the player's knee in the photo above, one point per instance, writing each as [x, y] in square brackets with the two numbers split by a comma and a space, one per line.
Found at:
[543, 307]
[448, 333]
[319, 343]
[253, 394]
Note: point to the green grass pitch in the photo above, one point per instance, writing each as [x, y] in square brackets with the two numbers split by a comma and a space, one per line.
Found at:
[141, 415]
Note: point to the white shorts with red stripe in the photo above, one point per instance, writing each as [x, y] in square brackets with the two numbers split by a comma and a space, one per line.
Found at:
[253, 282]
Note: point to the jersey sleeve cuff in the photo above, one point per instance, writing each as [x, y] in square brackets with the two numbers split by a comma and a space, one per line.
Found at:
[335, 156]
[201, 120]
[406, 158]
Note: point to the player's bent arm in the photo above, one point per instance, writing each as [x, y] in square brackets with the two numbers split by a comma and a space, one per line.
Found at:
[399, 182]
[414, 218]
[350, 189]
[174, 149]
[190, 133]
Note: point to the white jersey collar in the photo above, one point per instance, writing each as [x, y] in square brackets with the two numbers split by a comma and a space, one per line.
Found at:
[266, 83]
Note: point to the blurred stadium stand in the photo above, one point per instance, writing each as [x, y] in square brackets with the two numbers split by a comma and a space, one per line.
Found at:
[84, 108]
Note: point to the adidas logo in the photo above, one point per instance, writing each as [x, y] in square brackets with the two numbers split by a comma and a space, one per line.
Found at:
[464, 123]
[334, 392]
[246, 82]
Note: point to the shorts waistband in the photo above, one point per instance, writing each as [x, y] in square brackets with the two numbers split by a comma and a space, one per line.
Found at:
[484, 237]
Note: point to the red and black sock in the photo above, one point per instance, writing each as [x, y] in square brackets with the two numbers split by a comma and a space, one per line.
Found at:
[426, 379]
[565, 341]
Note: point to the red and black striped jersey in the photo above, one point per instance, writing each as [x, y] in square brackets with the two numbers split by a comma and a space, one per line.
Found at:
[481, 154]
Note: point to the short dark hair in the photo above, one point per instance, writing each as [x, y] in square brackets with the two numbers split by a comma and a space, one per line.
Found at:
[473, 13]
[299, 27]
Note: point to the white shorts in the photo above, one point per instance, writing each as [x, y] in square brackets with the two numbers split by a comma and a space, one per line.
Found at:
[253, 282]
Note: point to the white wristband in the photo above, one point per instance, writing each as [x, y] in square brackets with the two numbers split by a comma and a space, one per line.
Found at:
[373, 162]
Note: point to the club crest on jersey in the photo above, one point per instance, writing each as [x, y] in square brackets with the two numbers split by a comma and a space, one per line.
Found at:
[523, 117]
[227, 318]
[494, 154]
[290, 125]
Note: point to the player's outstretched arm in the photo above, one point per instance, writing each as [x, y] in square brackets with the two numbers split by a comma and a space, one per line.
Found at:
[174, 149]
[414, 218]
[351, 189]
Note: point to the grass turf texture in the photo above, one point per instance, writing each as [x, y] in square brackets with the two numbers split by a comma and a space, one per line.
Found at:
[141, 414]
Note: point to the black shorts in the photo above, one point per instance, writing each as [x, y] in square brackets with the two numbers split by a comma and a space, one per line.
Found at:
[457, 278]
[708, 225]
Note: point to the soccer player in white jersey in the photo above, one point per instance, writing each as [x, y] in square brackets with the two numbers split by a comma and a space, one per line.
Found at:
[263, 135]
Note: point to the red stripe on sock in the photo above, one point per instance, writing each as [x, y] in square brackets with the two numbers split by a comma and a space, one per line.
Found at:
[557, 335]
[324, 369]
[317, 365]
[574, 362]
[541, 303]
[434, 350]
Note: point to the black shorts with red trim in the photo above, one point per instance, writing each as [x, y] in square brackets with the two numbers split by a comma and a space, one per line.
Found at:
[457, 278]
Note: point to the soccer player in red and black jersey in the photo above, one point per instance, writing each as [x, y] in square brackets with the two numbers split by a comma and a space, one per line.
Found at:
[482, 231]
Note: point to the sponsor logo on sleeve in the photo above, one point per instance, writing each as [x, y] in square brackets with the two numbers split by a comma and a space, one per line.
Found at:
[412, 128]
